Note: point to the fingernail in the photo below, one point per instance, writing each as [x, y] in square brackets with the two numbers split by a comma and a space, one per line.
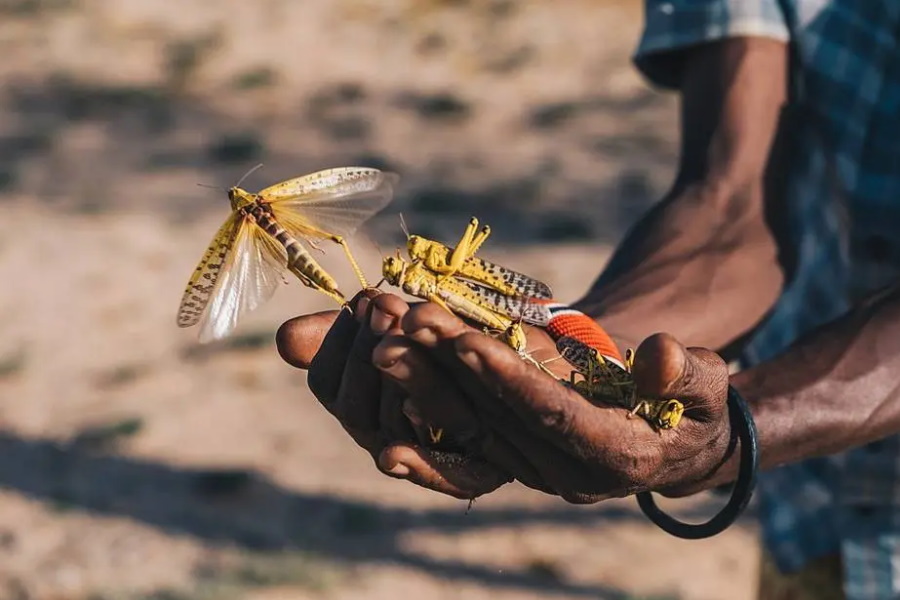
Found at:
[395, 365]
[359, 309]
[424, 335]
[380, 321]
[471, 360]
[399, 470]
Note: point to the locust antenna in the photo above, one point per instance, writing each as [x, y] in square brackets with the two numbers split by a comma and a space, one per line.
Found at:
[403, 226]
[247, 174]
[213, 187]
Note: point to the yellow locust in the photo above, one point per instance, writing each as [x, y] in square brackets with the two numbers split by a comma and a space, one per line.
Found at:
[261, 240]
[605, 380]
[466, 300]
[461, 261]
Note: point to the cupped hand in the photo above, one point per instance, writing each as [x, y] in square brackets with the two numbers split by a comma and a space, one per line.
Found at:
[547, 436]
[336, 348]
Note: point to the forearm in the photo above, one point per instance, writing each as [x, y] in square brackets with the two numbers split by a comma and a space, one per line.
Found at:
[835, 389]
[702, 264]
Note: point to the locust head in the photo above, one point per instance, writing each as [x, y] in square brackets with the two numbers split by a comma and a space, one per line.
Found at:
[393, 269]
[417, 246]
[240, 198]
[670, 414]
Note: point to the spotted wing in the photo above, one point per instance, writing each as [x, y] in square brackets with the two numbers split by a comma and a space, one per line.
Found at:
[577, 353]
[203, 280]
[514, 307]
[330, 202]
[523, 284]
[249, 277]
[586, 358]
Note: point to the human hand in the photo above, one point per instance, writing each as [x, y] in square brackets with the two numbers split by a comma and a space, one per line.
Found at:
[335, 347]
[546, 435]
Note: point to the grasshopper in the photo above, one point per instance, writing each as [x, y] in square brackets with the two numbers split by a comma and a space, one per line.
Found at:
[461, 262]
[465, 300]
[603, 378]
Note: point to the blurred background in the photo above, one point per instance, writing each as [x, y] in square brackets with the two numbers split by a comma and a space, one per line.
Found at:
[136, 464]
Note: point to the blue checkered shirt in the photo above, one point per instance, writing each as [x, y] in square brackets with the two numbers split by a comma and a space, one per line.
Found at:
[844, 206]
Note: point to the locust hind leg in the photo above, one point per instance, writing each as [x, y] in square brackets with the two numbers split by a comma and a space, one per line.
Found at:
[478, 240]
[333, 294]
[461, 252]
[440, 302]
[359, 274]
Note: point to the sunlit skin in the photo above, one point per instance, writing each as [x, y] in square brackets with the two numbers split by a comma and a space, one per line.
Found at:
[705, 264]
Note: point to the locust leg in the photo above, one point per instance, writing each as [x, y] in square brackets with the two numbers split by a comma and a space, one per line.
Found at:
[336, 296]
[478, 240]
[641, 408]
[461, 252]
[435, 434]
[440, 302]
[359, 274]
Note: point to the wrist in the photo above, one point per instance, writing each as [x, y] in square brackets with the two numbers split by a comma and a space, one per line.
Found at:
[713, 465]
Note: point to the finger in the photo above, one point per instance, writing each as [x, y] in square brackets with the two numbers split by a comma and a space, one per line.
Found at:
[548, 409]
[393, 422]
[507, 457]
[434, 329]
[456, 475]
[663, 368]
[299, 339]
[541, 464]
[357, 403]
[434, 398]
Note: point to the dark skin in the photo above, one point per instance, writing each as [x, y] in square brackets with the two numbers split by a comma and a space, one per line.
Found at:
[703, 265]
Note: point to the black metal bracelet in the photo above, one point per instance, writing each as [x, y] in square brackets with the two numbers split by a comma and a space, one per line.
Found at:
[742, 423]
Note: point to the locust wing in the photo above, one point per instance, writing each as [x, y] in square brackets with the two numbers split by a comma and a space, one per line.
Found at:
[516, 308]
[238, 272]
[331, 202]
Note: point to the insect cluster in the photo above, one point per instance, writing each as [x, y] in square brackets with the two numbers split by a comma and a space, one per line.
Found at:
[501, 300]
[262, 239]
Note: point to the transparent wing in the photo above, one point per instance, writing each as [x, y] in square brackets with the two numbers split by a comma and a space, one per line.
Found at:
[203, 280]
[514, 307]
[249, 278]
[332, 202]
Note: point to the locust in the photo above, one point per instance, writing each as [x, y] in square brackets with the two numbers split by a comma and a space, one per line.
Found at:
[605, 379]
[485, 306]
[260, 241]
[461, 262]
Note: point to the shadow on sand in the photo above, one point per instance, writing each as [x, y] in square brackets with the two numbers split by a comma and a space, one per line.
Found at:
[246, 510]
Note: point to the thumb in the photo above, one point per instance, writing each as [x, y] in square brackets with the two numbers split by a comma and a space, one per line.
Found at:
[299, 339]
[698, 377]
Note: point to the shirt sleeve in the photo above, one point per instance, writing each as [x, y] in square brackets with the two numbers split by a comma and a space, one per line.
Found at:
[672, 25]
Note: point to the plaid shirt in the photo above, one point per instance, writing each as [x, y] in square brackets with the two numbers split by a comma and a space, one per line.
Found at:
[849, 69]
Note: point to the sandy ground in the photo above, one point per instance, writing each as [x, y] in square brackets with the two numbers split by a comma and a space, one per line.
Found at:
[135, 464]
